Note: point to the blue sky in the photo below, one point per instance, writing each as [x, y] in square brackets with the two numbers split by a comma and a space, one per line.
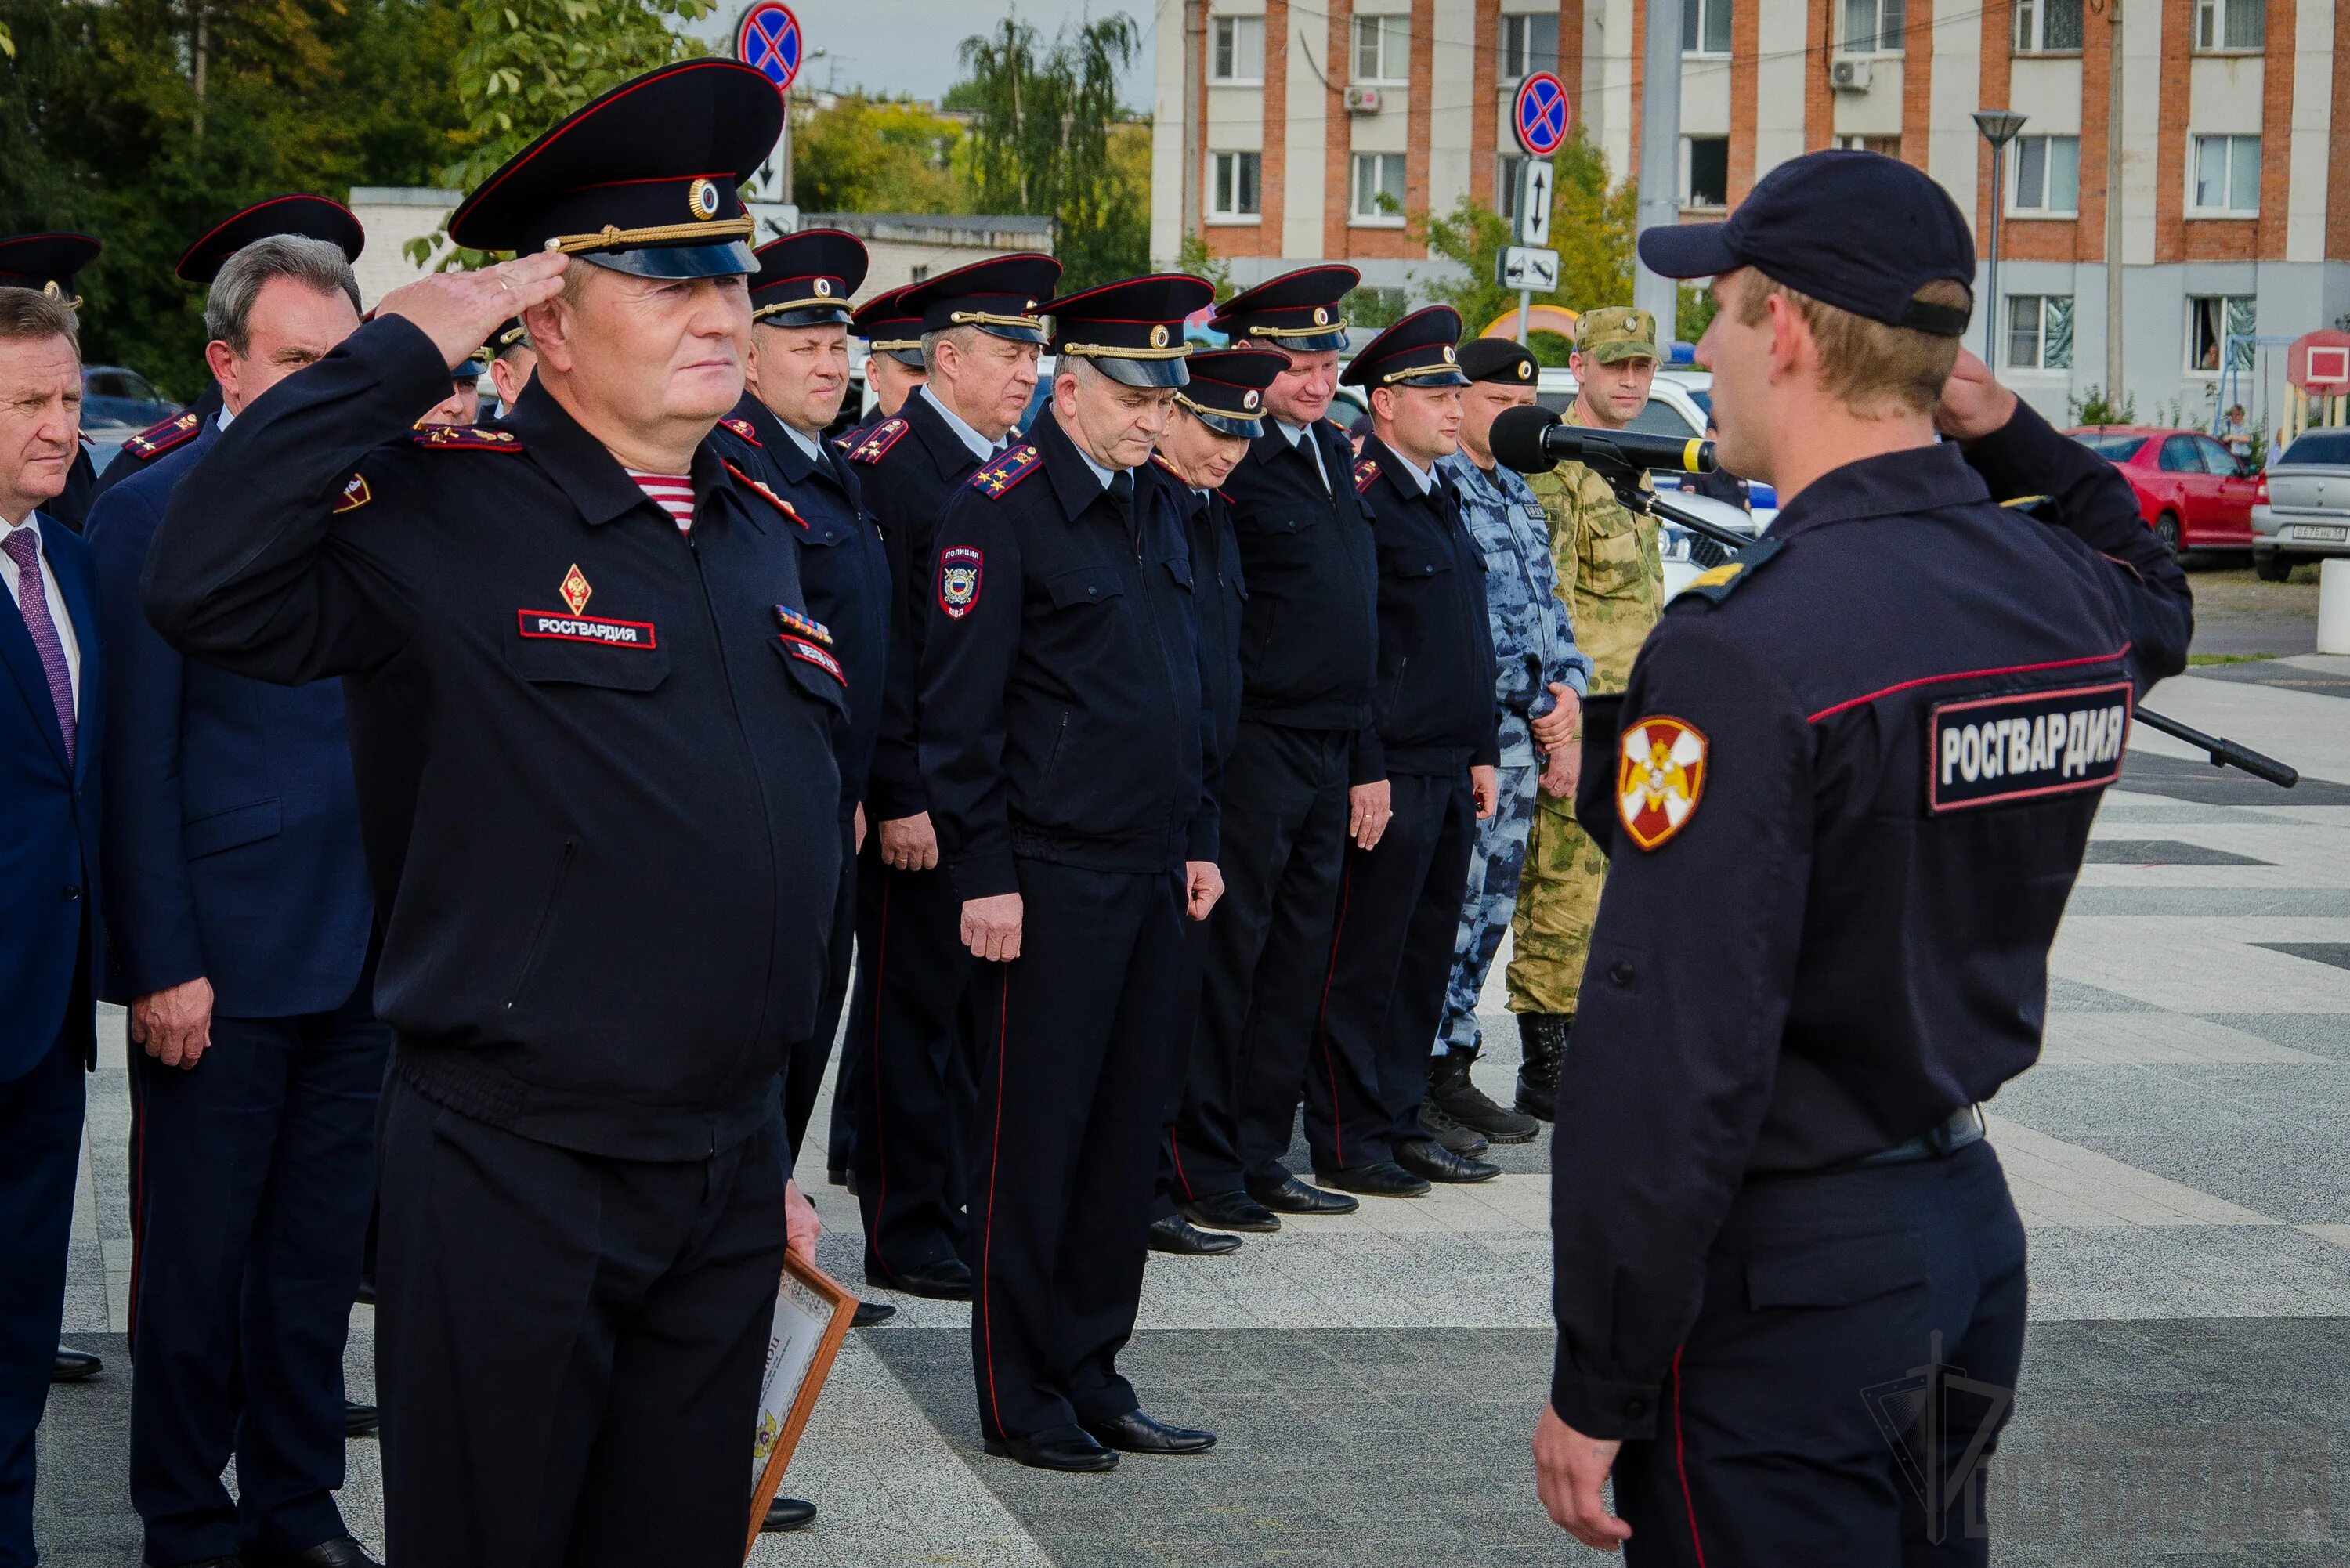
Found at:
[908, 46]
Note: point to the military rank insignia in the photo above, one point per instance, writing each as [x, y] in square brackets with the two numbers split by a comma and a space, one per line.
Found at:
[1660, 778]
[158, 438]
[877, 440]
[959, 570]
[1366, 471]
[997, 478]
[355, 495]
[773, 500]
[799, 624]
[742, 427]
[464, 438]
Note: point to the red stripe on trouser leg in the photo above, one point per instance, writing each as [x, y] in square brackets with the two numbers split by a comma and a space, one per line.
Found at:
[1322, 1019]
[1176, 1150]
[1680, 1463]
[987, 1235]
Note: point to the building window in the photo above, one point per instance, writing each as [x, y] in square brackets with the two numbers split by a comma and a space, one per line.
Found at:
[1873, 26]
[2045, 176]
[1705, 171]
[1236, 49]
[2224, 175]
[1506, 199]
[1232, 185]
[1705, 26]
[1529, 44]
[2211, 320]
[1383, 49]
[2039, 332]
[1887, 146]
[2047, 26]
[2225, 26]
[1378, 188]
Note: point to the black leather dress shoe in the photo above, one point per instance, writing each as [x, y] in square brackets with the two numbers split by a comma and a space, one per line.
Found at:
[1381, 1179]
[1233, 1211]
[1178, 1235]
[787, 1513]
[360, 1420]
[867, 1313]
[1071, 1448]
[74, 1366]
[339, 1553]
[1136, 1433]
[947, 1281]
[1426, 1157]
[1290, 1196]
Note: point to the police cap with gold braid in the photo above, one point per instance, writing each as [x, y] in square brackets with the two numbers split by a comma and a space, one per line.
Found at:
[1418, 351]
[310, 217]
[641, 180]
[45, 263]
[888, 330]
[1226, 392]
[1302, 310]
[1131, 330]
[1003, 296]
[805, 279]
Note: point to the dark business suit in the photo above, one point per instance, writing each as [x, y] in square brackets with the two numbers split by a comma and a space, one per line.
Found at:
[48, 884]
[233, 855]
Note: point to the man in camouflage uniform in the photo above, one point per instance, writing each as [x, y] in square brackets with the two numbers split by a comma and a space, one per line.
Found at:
[1612, 578]
[1541, 680]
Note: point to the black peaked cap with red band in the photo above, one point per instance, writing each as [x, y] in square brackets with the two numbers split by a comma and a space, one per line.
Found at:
[1132, 330]
[805, 279]
[1303, 310]
[45, 263]
[1421, 350]
[641, 180]
[309, 217]
[1227, 387]
[886, 327]
[1003, 296]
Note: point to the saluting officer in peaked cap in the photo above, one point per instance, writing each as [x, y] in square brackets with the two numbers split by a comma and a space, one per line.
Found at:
[1303, 310]
[626, 705]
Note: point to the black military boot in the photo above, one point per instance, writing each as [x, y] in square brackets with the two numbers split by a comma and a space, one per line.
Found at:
[1542, 1038]
[1453, 1093]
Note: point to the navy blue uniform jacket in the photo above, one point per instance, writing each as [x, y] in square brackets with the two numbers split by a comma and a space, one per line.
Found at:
[595, 773]
[1838, 935]
[1061, 714]
[843, 568]
[49, 819]
[1219, 592]
[232, 826]
[1436, 710]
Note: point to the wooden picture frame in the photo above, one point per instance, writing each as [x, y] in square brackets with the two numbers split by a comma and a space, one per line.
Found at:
[812, 1317]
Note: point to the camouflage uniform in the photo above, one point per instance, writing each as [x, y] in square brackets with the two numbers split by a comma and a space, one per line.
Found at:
[1613, 579]
[1531, 632]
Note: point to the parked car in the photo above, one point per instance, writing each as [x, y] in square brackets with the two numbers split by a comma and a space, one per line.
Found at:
[112, 395]
[2303, 512]
[2193, 492]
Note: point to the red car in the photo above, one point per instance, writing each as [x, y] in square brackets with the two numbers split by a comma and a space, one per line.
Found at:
[2191, 491]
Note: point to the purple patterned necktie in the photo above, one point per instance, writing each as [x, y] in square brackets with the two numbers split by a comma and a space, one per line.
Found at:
[23, 547]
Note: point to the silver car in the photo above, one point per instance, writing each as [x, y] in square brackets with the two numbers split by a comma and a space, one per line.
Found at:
[2303, 511]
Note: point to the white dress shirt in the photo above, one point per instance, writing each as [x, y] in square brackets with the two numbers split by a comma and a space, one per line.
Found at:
[49, 591]
[980, 447]
[1313, 448]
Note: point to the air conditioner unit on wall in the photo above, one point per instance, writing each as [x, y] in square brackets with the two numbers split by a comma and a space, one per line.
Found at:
[1850, 74]
[1362, 100]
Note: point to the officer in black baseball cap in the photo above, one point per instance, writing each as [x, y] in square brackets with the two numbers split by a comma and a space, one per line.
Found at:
[1836, 864]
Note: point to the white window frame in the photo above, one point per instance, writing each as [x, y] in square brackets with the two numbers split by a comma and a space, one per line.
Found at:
[1392, 31]
[2030, 35]
[1374, 217]
[2047, 310]
[1886, 17]
[2208, 27]
[1226, 39]
[1688, 159]
[2233, 202]
[1225, 171]
[1522, 23]
[1713, 19]
[2228, 315]
[2053, 150]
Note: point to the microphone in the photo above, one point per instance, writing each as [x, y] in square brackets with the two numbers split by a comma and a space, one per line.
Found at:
[1533, 440]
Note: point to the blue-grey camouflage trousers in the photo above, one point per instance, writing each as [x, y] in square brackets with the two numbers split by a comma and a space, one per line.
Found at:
[1494, 866]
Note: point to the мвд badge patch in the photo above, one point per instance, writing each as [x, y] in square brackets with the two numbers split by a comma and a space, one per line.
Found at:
[959, 570]
[1660, 778]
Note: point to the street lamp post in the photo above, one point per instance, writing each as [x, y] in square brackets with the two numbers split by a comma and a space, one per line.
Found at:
[1999, 127]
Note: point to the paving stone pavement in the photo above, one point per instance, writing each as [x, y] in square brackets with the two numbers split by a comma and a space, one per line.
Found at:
[2182, 1156]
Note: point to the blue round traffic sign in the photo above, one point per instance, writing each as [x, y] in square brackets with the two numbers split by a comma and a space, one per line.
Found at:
[1540, 114]
[769, 42]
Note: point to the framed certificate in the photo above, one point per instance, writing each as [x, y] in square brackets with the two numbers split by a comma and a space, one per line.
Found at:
[812, 1316]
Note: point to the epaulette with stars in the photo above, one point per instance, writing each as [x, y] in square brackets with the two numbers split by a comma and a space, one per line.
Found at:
[777, 502]
[1365, 470]
[995, 481]
[1162, 462]
[878, 439]
[464, 438]
[159, 438]
[742, 427]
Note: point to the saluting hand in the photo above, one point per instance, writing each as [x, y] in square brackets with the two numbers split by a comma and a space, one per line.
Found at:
[990, 927]
[1973, 403]
[459, 310]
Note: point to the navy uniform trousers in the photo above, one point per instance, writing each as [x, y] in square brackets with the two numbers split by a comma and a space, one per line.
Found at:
[1824, 1296]
[1390, 957]
[1281, 841]
[253, 1177]
[804, 1075]
[41, 1149]
[1078, 1053]
[917, 1085]
[575, 1340]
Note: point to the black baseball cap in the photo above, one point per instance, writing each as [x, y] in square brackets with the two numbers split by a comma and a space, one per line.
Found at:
[1499, 359]
[1859, 231]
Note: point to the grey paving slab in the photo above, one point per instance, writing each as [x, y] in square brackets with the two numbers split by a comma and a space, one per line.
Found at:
[2318, 1033]
[2088, 1273]
[2161, 852]
[2334, 953]
[2078, 996]
[2186, 779]
[2328, 903]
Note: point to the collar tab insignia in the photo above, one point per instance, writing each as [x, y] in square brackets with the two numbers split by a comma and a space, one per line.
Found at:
[742, 427]
[1717, 583]
[355, 494]
[1365, 470]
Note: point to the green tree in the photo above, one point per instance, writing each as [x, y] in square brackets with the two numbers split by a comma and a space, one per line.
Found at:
[1049, 140]
[877, 155]
[1194, 257]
